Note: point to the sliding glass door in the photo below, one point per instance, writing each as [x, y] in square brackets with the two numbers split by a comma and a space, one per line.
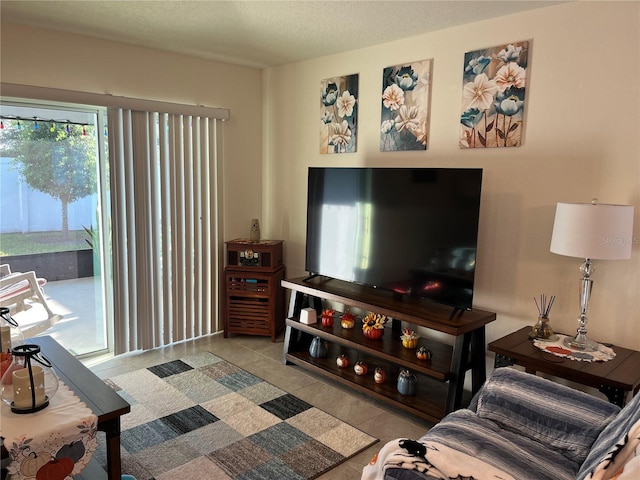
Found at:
[54, 219]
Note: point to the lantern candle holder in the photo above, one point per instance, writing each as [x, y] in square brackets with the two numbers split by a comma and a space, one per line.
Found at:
[10, 333]
[10, 336]
[29, 383]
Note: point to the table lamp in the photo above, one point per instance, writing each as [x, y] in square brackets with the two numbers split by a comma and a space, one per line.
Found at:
[592, 231]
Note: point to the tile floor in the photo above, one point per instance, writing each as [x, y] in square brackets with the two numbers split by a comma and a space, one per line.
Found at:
[263, 358]
[257, 355]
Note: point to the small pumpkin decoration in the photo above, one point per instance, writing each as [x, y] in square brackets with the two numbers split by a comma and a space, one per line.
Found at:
[409, 338]
[318, 348]
[33, 463]
[373, 325]
[347, 320]
[378, 375]
[423, 353]
[55, 469]
[407, 383]
[326, 317]
[360, 368]
[342, 361]
[74, 450]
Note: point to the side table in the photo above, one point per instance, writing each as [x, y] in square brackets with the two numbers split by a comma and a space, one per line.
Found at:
[614, 378]
[254, 295]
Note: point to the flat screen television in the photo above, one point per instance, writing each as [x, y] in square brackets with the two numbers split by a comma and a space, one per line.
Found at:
[412, 231]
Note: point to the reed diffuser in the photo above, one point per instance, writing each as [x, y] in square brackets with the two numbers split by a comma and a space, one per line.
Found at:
[542, 330]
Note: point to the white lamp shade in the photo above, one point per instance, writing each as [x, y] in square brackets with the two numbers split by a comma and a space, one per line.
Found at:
[595, 231]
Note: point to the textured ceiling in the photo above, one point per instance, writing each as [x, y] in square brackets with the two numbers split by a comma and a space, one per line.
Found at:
[256, 33]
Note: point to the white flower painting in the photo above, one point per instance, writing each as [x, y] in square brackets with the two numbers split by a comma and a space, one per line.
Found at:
[493, 95]
[404, 123]
[339, 114]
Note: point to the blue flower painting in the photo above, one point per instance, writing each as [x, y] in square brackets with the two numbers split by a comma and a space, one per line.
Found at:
[404, 123]
[493, 93]
[339, 114]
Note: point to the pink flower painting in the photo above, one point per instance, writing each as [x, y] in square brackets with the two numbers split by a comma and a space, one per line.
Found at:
[493, 96]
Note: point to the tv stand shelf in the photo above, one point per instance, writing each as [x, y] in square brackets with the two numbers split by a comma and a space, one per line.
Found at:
[440, 380]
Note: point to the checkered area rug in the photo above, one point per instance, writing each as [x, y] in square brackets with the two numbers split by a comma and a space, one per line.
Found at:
[203, 417]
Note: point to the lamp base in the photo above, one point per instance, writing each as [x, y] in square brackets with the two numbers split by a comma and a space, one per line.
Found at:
[582, 343]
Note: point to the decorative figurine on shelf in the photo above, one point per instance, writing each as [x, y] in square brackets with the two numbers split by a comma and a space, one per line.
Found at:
[342, 361]
[327, 317]
[347, 320]
[542, 330]
[409, 338]
[318, 348]
[378, 375]
[360, 368]
[373, 325]
[254, 233]
[407, 383]
[423, 353]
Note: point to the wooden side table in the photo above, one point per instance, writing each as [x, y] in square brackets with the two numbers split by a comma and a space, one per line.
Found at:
[254, 294]
[615, 378]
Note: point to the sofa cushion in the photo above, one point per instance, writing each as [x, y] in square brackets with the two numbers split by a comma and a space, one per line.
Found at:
[559, 417]
[617, 444]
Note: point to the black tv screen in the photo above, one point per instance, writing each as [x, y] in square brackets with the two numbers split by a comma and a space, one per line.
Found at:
[412, 231]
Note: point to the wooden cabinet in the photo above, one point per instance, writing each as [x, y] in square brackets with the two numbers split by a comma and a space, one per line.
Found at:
[254, 302]
[440, 379]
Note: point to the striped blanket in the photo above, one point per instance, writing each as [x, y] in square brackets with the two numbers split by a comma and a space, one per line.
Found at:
[522, 427]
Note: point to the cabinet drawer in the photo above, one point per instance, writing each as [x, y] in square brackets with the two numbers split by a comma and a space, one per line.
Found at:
[254, 302]
[244, 284]
[248, 315]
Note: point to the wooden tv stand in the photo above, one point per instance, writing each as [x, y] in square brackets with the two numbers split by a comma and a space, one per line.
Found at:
[440, 380]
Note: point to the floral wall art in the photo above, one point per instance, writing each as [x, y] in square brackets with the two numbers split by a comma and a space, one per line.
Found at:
[404, 123]
[339, 114]
[493, 96]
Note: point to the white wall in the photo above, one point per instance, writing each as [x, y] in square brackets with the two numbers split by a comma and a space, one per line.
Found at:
[45, 58]
[582, 141]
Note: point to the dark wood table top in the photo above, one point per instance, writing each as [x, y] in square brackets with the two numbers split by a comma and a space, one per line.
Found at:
[416, 311]
[98, 396]
[622, 372]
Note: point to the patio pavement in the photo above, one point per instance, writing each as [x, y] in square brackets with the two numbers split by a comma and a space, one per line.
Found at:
[81, 329]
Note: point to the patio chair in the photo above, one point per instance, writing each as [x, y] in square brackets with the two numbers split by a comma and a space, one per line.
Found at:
[17, 287]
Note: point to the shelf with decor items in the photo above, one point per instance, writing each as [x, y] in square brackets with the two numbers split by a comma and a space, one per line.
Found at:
[440, 379]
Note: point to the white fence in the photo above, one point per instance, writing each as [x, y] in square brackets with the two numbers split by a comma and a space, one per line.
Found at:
[24, 210]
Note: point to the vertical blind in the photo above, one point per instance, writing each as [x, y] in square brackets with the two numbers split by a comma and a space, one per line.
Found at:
[163, 177]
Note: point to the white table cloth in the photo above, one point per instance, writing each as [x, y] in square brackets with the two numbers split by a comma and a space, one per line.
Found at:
[57, 441]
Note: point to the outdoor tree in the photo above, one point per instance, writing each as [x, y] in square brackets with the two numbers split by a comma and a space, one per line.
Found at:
[56, 159]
